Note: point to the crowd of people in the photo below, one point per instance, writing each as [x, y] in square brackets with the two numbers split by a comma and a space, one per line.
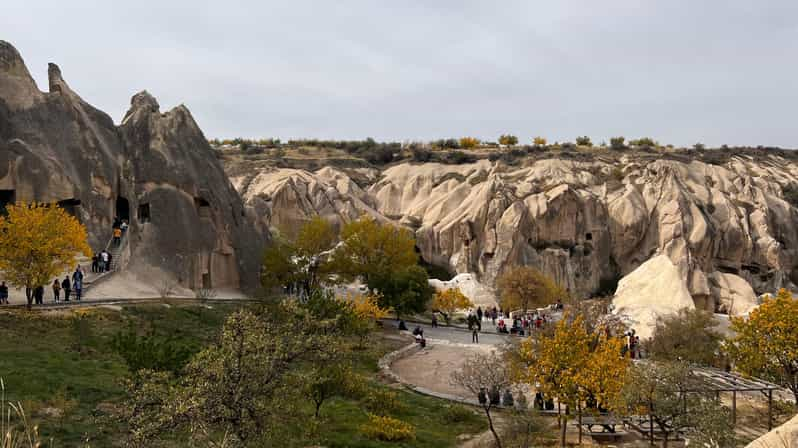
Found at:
[71, 287]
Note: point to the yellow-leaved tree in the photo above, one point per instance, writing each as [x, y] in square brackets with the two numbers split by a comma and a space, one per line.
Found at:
[366, 311]
[573, 367]
[522, 287]
[469, 142]
[766, 343]
[38, 242]
[450, 300]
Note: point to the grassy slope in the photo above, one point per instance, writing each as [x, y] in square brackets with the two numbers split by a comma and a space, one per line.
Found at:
[42, 366]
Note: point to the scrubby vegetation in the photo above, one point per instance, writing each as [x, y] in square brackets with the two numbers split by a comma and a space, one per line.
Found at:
[314, 153]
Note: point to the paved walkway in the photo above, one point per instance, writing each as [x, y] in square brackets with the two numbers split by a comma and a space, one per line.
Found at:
[453, 334]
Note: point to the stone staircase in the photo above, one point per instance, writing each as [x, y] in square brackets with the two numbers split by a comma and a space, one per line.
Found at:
[92, 278]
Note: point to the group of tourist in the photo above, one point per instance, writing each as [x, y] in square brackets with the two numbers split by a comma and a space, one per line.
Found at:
[101, 262]
[71, 286]
[632, 345]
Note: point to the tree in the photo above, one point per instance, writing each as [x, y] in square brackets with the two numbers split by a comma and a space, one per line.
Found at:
[583, 141]
[405, 291]
[554, 363]
[449, 301]
[666, 393]
[469, 142]
[687, 336]
[522, 287]
[573, 365]
[481, 374]
[617, 143]
[371, 250]
[699, 146]
[303, 263]
[366, 312]
[766, 344]
[245, 387]
[38, 242]
[508, 140]
[539, 141]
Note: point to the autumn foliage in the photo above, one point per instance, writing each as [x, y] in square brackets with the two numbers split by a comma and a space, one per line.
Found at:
[766, 344]
[469, 142]
[449, 301]
[524, 287]
[573, 366]
[38, 242]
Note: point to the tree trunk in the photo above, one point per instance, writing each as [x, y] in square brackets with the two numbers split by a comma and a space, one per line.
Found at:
[664, 440]
[318, 409]
[579, 412]
[492, 429]
[563, 428]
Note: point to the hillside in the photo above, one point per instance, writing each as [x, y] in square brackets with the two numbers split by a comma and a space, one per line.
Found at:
[587, 216]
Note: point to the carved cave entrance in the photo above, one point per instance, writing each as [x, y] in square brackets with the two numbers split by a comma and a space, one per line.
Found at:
[122, 208]
[70, 206]
[6, 197]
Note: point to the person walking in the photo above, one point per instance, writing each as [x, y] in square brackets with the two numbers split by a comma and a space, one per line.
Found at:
[479, 313]
[3, 293]
[95, 263]
[77, 282]
[104, 257]
[475, 336]
[67, 287]
[38, 295]
[434, 320]
[117, 236]
[56, 290]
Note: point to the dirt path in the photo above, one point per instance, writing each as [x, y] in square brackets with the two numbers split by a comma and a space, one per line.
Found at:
[432, 367]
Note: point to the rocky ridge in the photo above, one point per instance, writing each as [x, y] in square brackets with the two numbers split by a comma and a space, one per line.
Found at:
[727, 228]
[155, 169]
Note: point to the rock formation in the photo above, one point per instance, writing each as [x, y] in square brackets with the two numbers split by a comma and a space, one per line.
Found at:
[726, 228]
[155, 169]
[785, 436]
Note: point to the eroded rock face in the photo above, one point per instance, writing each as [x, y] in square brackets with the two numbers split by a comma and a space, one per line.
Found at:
[785, 436]
[584, 223]
[653, 290]
[156, 169]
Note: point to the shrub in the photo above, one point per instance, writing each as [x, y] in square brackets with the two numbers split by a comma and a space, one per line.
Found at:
[617, 143]
[457, 414]
[421, 154]
[458, 158]
[469, 142]
[387, 429]
[382, 402]
[699, 147]
[583, 141]
[508, 140]
[150, 351]
[644, 142]
[790, 193]
[539, 141]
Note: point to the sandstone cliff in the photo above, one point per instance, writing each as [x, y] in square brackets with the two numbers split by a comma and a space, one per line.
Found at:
[726, 228]
[155, 169]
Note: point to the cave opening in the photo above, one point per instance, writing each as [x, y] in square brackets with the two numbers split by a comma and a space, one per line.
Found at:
[122, 208]
[6, 197]
[70, 206]
[203, 207]
[144, 213]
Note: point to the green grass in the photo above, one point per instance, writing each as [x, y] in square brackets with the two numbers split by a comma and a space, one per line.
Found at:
[44, 366]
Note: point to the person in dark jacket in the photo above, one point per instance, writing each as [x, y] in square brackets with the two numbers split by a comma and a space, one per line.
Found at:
[67, 287]
[3, 293]
[77, 282]
[38, 295]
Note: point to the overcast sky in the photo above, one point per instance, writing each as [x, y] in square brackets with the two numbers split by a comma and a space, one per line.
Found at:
[681, 71]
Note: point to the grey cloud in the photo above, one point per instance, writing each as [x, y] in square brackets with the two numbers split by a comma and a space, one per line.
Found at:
[680, 71]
